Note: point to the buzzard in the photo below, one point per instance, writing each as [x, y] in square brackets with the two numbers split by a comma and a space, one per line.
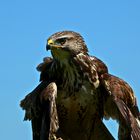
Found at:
[76, 92]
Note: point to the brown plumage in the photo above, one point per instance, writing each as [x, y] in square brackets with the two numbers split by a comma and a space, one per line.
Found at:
[76, 92]
[123, 106]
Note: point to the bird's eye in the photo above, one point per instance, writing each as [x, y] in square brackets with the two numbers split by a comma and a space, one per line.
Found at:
[61, 41]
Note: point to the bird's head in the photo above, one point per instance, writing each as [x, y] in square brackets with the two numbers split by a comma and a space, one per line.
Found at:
[65, 44]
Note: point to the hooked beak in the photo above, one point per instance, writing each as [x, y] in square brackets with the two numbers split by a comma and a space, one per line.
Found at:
[50, 45]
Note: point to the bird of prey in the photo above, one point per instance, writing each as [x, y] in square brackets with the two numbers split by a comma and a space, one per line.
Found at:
[76, 92]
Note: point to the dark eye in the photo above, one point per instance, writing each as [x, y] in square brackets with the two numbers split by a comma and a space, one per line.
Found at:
[61, 41]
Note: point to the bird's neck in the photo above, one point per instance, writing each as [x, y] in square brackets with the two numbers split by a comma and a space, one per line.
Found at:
[69, 74]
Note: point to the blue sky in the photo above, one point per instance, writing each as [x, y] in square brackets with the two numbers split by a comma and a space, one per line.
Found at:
[111, 29]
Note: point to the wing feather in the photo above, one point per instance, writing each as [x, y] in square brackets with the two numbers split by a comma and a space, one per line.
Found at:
[119, 101]
[40, 106]
[120, 105]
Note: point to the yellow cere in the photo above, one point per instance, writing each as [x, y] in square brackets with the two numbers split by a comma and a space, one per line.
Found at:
[50, 42]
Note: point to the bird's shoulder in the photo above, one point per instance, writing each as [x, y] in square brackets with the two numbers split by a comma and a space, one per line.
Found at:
[120, 90]
[90, 62]
[101, 67]
[44, 68]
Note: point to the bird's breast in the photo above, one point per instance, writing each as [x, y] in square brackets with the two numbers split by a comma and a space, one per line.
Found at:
[76, 112]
